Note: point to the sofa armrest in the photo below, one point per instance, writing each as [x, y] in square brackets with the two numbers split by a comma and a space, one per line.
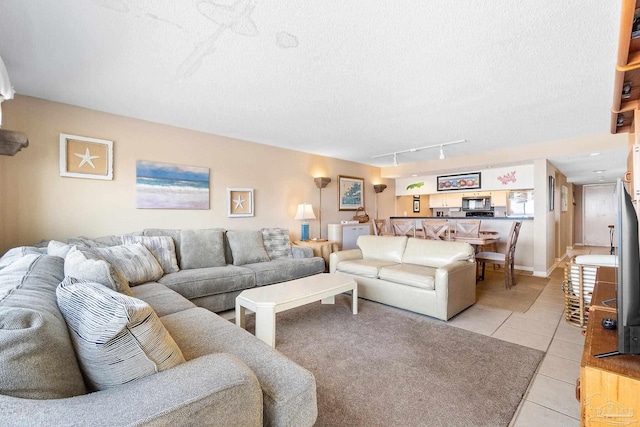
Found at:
[215, 389]
[302, 251]
[455, 285]
[347, 255]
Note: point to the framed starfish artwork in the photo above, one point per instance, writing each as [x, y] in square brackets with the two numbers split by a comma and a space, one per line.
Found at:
[82, 157]
[239, 202]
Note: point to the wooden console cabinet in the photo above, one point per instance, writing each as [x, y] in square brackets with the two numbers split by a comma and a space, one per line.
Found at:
[609, 388]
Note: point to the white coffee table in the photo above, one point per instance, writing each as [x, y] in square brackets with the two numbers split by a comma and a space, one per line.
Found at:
[266, 301]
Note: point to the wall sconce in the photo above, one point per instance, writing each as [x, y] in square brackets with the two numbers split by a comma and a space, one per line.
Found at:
[321, 182]
[305, 212]
[379, 188]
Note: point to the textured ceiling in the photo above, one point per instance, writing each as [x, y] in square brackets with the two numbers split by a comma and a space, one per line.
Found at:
[345, 79]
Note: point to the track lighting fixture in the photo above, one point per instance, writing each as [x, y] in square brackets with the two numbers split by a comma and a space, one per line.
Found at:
[413, 150]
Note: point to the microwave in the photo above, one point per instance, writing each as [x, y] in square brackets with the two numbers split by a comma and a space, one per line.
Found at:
[479, 203]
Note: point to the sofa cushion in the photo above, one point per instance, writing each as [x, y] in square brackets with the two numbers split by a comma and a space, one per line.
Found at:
[202, 248]
[87, 265]
[436, 253]
[37, 360]
[247, 246]
[134, 261]
[385, 248]
[162, 299]
[163, 249]
[414, 275]
[117, 338]
[363, 267]
[276, 243]
[15, 254]
[289, 390]
[57, 248]
[201, 282]
[281, 270]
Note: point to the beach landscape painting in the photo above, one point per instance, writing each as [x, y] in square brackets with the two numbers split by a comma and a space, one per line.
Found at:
[169, 186]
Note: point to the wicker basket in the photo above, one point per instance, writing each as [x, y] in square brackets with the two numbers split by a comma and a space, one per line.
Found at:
[579, 281]
[361, 215]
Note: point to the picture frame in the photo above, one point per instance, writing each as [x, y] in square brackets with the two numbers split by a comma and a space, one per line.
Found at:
[350, 193]
[416, 206]
[552, 195]
[84, 157]
[240, 202]
[459, 182]
[564, 200]
[171, 186]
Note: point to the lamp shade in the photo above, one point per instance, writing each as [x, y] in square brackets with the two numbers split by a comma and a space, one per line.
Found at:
[305, 211]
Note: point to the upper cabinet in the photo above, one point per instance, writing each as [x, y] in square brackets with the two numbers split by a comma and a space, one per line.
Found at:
[445, 200]
[627, 75]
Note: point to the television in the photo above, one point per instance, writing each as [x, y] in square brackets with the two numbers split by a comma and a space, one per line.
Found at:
[628, 275]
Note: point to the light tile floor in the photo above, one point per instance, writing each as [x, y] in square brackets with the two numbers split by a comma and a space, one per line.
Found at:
[550, 400]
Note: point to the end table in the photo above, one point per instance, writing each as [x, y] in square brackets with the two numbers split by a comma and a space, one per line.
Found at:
[320, 248]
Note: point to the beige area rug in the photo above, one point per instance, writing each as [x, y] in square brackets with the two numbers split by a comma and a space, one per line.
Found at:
[389, 367]
[491, 291]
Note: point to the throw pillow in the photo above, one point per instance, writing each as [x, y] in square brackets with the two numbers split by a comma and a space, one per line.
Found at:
[134, 261]
[247, 246]
[57, 248]
[202, 248]
[162, 248]
[276, 243]
[117, 338]
[87, 265]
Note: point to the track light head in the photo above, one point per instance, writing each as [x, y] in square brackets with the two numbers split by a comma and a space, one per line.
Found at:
[442, 156]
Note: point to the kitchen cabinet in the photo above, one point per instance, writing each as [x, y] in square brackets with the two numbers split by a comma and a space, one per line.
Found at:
[498, 198]
[445, 200]
[346, 235]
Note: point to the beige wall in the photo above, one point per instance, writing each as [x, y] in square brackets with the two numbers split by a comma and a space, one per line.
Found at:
[405, 204]
[36, 203]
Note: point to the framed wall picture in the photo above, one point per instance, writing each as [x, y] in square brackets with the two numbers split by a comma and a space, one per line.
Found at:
[552, 192]
[83, 157]
[416, 206]
[350, 193]
[467, 181]
[564, 199]
[169, 186]
[240, 202]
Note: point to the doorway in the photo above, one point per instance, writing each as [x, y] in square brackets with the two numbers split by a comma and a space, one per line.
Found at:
[599, 213]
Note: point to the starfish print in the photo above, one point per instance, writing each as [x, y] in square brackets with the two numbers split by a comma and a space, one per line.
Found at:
[239, 201]
[86, 158]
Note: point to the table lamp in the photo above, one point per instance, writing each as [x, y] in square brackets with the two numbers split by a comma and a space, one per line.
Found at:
[304, 213]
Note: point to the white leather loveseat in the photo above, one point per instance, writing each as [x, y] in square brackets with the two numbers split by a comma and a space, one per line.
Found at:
[432, 277]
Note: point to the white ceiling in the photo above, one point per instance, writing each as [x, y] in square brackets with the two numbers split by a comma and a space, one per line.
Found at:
[345, 79]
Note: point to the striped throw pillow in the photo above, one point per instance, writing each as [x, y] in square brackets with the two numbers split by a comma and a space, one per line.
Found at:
[163, 249]
[134, 261]
[117, 338]
[276, 242]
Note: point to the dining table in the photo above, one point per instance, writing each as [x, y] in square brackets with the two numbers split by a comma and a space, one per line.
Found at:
[483, 239]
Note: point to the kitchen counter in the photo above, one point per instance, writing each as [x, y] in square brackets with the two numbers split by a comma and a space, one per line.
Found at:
[483, 218]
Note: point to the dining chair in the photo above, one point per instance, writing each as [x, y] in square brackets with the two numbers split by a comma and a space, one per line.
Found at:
[436, 229]
[468, 227]
[380, 227]
[404, 228]
[505, 258]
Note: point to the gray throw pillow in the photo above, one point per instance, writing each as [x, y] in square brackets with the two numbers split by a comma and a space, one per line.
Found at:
[277, 243]
[87, 265]
[15, 254]
[57, 248]
[247, 246]
[162, 248]
[120, 341]
[134, 261]
[202, 248]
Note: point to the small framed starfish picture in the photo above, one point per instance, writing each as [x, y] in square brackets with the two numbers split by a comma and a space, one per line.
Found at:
[82, 157]
[239, 202]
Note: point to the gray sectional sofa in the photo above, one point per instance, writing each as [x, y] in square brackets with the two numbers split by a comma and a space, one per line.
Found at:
[219, 374]
[432, 277]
